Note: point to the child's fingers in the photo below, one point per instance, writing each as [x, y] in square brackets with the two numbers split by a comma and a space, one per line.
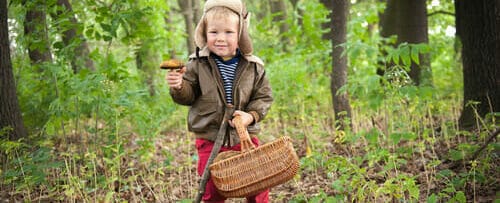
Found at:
[174, 79]
[246, 118]
[182, 70]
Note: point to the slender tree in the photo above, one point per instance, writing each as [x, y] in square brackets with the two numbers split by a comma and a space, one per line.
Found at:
[35, 28]
[278, 10]
[338, 33]
[73, 34]
[11, 118]
[260, 9]
[187, 12]
[298, 11]
[197, 11]
[408, 21]
[146, 60]
[478, 28]
[37, 43]
[168, 22]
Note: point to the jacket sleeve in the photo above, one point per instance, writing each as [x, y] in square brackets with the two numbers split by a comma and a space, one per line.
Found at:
[261, 98]
[188, 92]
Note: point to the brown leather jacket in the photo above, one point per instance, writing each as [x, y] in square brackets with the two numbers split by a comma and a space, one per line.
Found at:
[202, 90]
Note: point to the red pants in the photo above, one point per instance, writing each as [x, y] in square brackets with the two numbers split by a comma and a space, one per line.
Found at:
[204, 148]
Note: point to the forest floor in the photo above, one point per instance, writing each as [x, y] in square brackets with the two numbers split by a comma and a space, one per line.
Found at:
[173, 177]
[311, 183]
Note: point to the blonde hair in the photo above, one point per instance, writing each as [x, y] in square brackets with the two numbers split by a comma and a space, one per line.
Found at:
[219, 13]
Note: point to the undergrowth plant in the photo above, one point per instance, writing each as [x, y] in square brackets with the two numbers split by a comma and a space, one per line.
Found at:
[107, 135]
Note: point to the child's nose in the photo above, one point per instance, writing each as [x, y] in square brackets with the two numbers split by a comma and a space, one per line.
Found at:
[220, 38]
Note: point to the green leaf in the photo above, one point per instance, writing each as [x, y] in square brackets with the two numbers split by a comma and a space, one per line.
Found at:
[109, 196]
[372, 136]
[432, 198]
[455, 155]
[405, 55]
[106, 27]
[89, 32]
[459, 197]
[58, 45]
[395, 138]
[426, 93]
[414, 55]
[107, 38]
[395, 57]
[423, 48]
[409, 136]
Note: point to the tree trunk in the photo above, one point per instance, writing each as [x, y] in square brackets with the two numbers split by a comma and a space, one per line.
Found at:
[299, 11]
[278, 9]
[35, 30]
[146, 59]
[168, 21]
[187, 11]
[408, 20]
[261, 11]
[80, 57]
[478, 27]
[197, 11]
[338, 32]
[9, 107]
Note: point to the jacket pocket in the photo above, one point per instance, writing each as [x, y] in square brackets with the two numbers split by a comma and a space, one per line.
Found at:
[203, 115]
[207, 108]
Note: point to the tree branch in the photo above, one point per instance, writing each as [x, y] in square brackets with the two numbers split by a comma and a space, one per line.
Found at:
[441, 12]
[491, 137]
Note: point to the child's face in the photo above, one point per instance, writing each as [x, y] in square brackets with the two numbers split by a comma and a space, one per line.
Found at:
[222, 36]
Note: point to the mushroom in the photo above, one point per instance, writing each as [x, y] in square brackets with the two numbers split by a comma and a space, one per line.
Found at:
[172, 64]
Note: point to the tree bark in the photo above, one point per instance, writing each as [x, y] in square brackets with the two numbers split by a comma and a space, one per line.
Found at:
[168, 21]
[408, 20]
[9, 107]
[278, 9]
[187, 12]
[338, 33]
[35, 27]
[146, 59]
[262, 10]
[80, 57]
[478, 28]
[197, 11]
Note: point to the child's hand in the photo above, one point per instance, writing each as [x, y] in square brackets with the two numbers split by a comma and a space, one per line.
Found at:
[174, 78]
[246, 118]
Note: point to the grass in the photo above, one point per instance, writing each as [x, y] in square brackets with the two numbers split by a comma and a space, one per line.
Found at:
[397, 153]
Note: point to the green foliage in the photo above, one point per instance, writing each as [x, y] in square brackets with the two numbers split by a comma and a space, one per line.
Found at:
[106, 135]
[300, 74]
[28, 171]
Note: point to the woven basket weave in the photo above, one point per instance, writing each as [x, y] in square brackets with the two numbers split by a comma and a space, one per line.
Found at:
[254, 169]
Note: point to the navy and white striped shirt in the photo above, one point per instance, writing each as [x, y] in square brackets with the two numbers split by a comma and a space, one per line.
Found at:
[227, 70]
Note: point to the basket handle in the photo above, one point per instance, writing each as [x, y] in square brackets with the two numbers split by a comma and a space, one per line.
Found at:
[245, 142]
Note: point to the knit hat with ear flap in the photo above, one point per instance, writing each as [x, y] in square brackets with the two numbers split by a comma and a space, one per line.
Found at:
[244, 42]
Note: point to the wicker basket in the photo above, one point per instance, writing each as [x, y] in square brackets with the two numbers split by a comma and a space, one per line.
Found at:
[254, 169]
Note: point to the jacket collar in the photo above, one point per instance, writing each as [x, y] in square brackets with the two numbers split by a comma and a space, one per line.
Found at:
[205, 53]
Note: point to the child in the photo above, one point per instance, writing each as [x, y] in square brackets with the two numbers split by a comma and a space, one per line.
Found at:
[222, 72]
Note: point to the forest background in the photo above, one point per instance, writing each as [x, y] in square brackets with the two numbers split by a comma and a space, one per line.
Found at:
[376, 111]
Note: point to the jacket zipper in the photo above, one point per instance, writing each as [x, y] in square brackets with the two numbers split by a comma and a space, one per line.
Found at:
[236, 81]
[219, 83]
